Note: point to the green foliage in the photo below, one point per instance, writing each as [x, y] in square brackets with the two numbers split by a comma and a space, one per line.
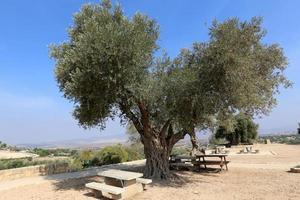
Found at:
[232, 72]
[180, 151]
[86, 158]
[24, 162]
[133, 135]
[105, 59]
[217, 141]
[55, 152]
[282, 139]
[3, 145]
[107, 66]
[107, 69]
[112, 155]
[135, 152]
[41, 152]
[76, 164]
[244, 130]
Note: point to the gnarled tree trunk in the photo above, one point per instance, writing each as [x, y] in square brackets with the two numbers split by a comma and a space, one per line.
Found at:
[158, 143]
[157, 153]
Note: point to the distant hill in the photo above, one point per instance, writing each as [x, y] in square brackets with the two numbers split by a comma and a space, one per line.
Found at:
[90, 143]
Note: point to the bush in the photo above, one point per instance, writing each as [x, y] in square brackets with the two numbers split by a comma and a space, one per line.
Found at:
[41, 152]
[112, 155]
[75, 164]
[2, 145]
[25, 162]
[180, 151]
[135, 152]
[86, 157]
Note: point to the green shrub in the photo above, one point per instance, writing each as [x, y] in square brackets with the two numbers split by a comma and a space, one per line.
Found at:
[180, 151]
[25, 162]
[41, 152]
[86, 157]
[75, 165]
[135, 152]
[112, 155]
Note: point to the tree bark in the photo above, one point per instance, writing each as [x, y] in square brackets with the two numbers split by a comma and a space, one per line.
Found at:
[194, 141]
[157, 153]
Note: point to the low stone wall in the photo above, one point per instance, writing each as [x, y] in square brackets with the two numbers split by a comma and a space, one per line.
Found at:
[38, 170]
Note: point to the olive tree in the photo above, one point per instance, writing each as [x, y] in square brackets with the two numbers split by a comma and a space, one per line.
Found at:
[231, 73]
[244, 130]
[107, 69]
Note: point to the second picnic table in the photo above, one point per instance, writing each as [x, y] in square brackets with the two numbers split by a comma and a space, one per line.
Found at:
[201, 160]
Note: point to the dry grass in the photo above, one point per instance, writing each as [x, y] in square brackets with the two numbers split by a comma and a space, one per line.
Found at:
[5, 154]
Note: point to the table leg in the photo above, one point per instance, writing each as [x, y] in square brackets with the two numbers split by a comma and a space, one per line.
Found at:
[221, 164]
[204, 162]
[226, 164]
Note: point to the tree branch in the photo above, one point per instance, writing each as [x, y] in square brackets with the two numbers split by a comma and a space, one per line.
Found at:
[136, 122]
[144, 117]
[164, 129]
[176, 137]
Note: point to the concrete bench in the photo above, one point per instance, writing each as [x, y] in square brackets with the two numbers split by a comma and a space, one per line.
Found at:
[100, 188]
[144, 182]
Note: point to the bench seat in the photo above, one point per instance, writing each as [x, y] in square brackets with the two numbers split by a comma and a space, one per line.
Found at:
[144, 181]
[105, 188]
[210, 162]
[181, 165]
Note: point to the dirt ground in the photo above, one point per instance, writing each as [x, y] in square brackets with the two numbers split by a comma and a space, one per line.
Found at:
[5, 154]
[249, 177]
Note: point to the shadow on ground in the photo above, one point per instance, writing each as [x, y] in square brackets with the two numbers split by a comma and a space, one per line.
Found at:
[181, 177]
[177, 179]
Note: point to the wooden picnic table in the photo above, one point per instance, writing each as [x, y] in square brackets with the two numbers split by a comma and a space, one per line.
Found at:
[205, 162]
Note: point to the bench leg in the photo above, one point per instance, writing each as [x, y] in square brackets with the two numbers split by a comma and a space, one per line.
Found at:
[97, 193]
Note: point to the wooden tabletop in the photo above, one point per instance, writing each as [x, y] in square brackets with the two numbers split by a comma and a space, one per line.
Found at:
[212, 155]
[181, 157]
[120, 174]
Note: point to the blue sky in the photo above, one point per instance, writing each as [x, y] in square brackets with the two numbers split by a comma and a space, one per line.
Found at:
[33, 110]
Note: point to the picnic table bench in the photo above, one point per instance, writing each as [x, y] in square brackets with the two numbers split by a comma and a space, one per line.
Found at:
[181, 162]
[200, 160]
[118, 184]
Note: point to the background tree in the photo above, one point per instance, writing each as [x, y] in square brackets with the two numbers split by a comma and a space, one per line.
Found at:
[107, 69]
[244, 130]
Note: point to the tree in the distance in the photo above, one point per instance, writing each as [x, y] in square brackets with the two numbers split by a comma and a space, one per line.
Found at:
[107, 69]
[244, 130]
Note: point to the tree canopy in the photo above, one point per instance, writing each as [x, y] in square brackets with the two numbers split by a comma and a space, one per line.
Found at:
[244, 130]
[107, 68]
